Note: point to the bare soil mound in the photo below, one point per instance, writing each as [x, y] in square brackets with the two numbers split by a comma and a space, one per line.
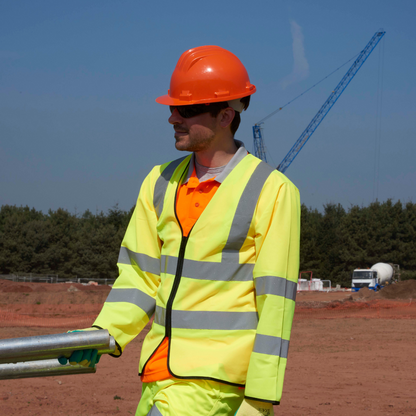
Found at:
[365, 294]
[400, 290]
[7, 286]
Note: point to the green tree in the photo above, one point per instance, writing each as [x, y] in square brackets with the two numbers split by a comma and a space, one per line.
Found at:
[310, 257]
[21, 232]
[330, 242]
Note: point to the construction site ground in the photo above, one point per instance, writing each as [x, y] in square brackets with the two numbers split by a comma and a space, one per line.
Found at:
[350, 354]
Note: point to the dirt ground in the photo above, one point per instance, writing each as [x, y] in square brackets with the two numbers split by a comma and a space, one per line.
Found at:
[350, 354]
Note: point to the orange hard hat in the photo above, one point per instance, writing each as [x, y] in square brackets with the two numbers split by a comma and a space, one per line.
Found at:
[207, 74]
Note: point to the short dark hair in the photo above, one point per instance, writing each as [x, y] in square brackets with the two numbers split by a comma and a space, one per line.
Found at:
[215, 108]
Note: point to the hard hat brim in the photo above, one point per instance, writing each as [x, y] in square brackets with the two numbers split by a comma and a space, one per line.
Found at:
[168, 100]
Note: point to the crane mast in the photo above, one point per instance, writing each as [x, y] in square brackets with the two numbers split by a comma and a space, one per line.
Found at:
[259, 149]
[323, 111]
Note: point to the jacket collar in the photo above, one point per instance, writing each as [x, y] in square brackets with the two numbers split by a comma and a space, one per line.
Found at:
[235, 160]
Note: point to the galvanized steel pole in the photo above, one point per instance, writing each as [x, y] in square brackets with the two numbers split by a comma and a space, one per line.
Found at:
[38, 356]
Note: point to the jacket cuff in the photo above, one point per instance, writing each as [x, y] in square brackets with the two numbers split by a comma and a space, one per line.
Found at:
[262, 400]
[118, 351]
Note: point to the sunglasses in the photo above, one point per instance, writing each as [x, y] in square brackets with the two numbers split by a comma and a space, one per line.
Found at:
[188, 111]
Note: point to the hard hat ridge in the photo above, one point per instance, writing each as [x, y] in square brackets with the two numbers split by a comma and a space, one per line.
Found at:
[207, 74]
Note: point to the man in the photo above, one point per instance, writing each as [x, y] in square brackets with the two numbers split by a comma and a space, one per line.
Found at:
[211, 251]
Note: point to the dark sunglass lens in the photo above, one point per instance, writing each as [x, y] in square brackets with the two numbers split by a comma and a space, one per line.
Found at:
[188, 111]
[183, 112]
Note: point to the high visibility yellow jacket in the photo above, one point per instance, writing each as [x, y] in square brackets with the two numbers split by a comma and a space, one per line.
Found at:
[224, 295]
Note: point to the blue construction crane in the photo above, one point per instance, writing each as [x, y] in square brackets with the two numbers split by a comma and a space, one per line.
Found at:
[259, 150]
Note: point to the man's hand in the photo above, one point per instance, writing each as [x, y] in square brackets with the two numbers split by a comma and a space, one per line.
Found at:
[86, 358]
[255, 408]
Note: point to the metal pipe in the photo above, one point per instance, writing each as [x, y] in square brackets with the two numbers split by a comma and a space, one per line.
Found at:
[42, 368]
[38, 356]
[44, 347]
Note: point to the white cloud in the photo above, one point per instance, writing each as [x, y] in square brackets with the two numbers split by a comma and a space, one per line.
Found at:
[300, 69]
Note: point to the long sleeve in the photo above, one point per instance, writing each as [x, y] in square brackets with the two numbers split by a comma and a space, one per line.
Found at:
[131, 302]
[275, 276]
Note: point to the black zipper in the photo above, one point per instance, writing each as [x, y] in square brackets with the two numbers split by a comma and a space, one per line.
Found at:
[176, 281]
[179, 268]
[178, 275]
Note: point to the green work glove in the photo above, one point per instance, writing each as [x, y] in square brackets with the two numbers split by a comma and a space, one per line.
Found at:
[254, 408]
[86, 358]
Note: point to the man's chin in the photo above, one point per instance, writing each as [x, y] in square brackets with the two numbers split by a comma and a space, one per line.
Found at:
[182, 148]
[181, 144]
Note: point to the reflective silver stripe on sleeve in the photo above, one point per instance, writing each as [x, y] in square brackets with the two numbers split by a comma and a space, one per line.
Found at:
[206, 270]
[134, 296]
[154, 411]
[168, 264]
[273, 285]
[162, 184]
[160, 316]
[244, 212]
[145, 262]
[208, 319]
[266, 344]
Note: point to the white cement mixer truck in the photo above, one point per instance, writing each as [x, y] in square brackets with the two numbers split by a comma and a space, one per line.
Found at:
[376, 278]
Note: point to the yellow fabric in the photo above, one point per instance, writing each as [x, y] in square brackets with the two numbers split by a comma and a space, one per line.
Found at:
[255, 408]
[175, 397]
[271, 247]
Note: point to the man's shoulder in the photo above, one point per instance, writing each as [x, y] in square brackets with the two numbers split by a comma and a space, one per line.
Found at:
[274, 176]
[173, 164]
[277, 180]
[166, 170]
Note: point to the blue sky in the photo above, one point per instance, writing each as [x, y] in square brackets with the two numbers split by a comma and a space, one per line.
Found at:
[79, 127]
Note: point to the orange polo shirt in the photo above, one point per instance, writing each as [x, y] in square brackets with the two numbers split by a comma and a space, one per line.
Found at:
[192, 198]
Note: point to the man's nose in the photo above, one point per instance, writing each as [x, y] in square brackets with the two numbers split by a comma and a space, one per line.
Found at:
[175, 117]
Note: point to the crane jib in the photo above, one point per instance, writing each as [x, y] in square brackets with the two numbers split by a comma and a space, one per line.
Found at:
[323, 111]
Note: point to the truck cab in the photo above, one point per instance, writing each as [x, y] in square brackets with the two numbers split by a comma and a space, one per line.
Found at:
[364, 278]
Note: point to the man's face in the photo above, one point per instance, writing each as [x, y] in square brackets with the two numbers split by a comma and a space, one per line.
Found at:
[196, 133]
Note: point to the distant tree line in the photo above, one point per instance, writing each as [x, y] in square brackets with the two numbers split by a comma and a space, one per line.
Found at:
[61, 243]
[336, 242]
[333, 242]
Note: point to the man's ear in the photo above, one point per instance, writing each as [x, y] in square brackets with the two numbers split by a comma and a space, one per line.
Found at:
[226, 117]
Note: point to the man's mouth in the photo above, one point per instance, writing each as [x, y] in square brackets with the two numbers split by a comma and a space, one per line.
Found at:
[179, 130]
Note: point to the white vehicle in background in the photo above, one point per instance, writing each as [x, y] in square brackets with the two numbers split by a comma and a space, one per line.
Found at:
[380, 275]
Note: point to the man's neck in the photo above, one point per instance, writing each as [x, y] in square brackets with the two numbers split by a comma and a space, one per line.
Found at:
[218, 156]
